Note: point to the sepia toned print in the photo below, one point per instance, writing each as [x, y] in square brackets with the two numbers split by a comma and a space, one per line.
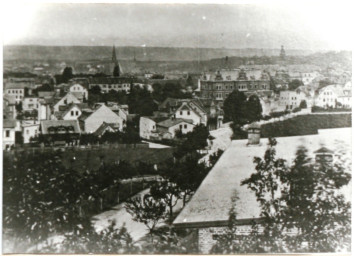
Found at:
[176, 128]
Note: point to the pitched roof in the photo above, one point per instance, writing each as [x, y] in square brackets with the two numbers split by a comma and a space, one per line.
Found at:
[16, 86]
[100, 130]
[9, 123]
[172, 122]
[10, 98]
[111, 80]
[84, 115]
[212, 201]
[48, 124]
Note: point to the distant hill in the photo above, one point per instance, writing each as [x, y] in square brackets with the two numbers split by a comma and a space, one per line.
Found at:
[87, 53]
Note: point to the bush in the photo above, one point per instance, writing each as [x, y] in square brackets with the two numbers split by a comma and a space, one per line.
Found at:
[315, 109]
[296, 110]
[303, 104]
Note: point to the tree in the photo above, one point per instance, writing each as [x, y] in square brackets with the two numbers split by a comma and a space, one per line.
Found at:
[19, 107]
[295, 84]
[67, 74]
[168, 192]
[194, 140]
[254, 109]
[235, 107]
[84, 239]
[141, 102]
[40, 195]
[116, 71]
[148, 211]
[303, 104]
[187, 175]
[303, 197]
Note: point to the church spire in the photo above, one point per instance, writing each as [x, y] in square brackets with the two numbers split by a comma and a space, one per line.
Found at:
[282, 53]
[116, 70]
[114, 56]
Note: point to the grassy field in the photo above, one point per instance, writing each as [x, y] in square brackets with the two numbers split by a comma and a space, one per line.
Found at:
[305, 125]
[83, 159]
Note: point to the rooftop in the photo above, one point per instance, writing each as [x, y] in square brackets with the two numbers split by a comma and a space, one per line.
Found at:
[172, 122]
[47, 124]
[212, 201]
[9, 123]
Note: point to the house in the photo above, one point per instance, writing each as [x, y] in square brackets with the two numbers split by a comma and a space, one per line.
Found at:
[328, 96]
[17, 90]
[191, 111]
[218, 86]
[120, 110]
[69, 98]
[79, 91]
[30, 103]
[8, 133]
[289, 100]
[308, 77]
[29, 131]
[60, 131]
[112, 83]
[70, 112]
[208, 210]
[45, 108]
[9, 107]
[168, 128]
[91, 121]
[148, 126]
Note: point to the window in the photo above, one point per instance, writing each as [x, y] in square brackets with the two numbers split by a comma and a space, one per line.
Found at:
[77, 113]
[185, 126]
[188, 112]
[180, 126]
[181, 112]
[72, 112]
[7, 134]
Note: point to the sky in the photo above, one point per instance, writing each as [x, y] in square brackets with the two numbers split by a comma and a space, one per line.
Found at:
[303, 25]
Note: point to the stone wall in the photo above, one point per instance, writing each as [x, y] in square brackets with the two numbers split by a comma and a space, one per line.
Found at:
[207, 237]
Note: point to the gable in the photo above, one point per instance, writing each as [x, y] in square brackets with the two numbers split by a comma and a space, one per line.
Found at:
[69, 98]
[103, 111]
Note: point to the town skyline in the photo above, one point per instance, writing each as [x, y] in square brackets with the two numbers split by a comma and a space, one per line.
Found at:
[232, 26]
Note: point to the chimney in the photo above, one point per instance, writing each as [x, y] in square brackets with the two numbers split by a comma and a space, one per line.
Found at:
[254, 134]
[324, 157]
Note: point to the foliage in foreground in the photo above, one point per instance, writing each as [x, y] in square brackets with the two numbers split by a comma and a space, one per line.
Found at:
[302, 209]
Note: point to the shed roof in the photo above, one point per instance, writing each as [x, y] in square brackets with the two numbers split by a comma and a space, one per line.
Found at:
[212, 201]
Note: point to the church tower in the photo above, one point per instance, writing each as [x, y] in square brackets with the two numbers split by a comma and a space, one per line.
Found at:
[116, 70]
[282, 53]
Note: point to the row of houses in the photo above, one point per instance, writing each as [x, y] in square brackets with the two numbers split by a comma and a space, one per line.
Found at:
[64, 106]
[331, 96]
[180, 115]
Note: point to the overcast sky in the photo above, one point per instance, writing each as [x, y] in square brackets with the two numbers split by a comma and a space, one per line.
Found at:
[300, 26]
